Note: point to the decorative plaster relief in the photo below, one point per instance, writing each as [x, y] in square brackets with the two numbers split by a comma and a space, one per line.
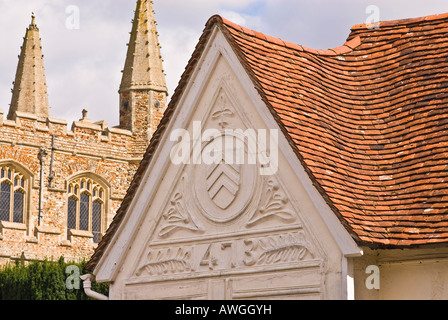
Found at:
[231, 255]
[223, 112]
[223, 192]
[223, 183]
[214, 196]
[177, 216]
[273, 204]
[166, 261]
[284, 248]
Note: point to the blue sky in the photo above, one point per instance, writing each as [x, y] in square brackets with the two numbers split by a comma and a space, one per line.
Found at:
[83, 65]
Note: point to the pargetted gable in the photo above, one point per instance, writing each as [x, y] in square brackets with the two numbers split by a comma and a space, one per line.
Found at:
[367, 121]
[218, 225]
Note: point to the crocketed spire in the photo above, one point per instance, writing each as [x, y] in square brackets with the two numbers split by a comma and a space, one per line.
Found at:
[30, 85]
[143, 68]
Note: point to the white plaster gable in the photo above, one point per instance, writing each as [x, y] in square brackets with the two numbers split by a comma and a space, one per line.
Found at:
[226, 223]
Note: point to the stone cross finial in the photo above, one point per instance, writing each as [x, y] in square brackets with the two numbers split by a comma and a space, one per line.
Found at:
[33, 21]
[84, 116]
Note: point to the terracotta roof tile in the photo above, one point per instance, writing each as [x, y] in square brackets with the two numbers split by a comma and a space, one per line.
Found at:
[368, 121]
[371, 102]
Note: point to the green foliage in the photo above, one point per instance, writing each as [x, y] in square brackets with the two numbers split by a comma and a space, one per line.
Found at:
[44, 281]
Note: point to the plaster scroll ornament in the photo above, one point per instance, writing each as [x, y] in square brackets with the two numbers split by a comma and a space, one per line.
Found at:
[223, 113]
[273, 204]
[177, 217]
[277, 249]
[164, 261]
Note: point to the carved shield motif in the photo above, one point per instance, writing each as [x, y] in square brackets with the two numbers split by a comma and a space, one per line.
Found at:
[223, 183]
[224, 190]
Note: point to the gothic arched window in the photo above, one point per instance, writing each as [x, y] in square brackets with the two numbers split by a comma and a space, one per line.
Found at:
[13, 194]
[85, 206]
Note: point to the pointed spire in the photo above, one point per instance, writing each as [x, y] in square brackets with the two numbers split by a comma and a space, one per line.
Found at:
[143, 68]
[30, 86]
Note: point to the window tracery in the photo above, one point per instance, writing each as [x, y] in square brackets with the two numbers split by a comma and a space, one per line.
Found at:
[13, 194]
[85, 206]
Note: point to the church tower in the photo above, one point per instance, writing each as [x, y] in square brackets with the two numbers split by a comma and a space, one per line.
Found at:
[30, 85]
[143, 90]
[60, 185]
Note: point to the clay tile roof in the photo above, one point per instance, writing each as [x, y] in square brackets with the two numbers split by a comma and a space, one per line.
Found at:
[368, 121]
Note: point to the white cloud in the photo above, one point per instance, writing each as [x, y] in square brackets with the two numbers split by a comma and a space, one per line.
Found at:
[177, 46]
[234, 17]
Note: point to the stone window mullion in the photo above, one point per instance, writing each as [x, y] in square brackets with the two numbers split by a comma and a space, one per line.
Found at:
[18, 206]
[5, 201]
[89, 213]
[14, 193]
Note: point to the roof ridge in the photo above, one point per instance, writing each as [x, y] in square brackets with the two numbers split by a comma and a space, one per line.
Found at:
[343, 49]
[397, 22]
